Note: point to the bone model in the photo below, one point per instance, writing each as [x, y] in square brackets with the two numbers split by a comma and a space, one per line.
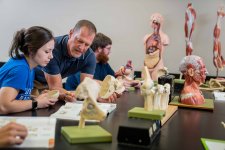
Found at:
[109, 86]
[154, 97]
[89, 90]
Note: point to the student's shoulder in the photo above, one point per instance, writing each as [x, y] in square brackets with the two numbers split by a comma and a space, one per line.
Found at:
[61, 39]
[89, 54]
[107, 64]
[19, 63]
[60, 46]
[89, 51]
[16, 67]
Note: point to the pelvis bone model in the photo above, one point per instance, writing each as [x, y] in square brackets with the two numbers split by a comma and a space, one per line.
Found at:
[89, 90]
[154, 97]
[109, 86]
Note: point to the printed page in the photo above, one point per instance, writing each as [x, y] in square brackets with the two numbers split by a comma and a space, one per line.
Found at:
[220, 96]
[72, 110]
[41, 131]
[212, 144]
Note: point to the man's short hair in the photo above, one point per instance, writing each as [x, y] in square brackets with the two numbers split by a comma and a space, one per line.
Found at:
[85, 23]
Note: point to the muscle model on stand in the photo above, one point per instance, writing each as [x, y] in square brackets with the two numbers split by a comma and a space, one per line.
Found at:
[194, 71]
[190, 17]
[218, 59]
[154, 46]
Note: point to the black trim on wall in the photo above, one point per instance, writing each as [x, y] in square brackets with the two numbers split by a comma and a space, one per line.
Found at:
[1, 63]
[137, 74]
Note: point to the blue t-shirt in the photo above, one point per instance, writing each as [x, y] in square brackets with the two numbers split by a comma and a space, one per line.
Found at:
[65, 65]
[17, 74]
[101, 71]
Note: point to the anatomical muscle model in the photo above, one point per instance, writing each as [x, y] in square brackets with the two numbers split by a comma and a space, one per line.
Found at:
[190, 17]
[218, 59]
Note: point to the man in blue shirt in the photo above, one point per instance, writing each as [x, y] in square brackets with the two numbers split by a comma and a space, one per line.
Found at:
[101, 47]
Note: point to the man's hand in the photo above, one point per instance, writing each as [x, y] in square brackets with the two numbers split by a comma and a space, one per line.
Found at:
[112, 99]
[68, 96]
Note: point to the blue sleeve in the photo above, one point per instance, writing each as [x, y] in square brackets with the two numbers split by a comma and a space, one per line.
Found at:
[72, 82]
[110, 71]
[17, 78]
[52, 68]
[90, 65]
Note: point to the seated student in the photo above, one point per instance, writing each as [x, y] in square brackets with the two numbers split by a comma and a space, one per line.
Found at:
[30, 47]
[101, 47]
[12, 134]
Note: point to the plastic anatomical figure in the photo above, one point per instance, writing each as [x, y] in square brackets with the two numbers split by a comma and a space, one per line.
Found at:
[124, 74]
[190, 17]
[125, 71]
[147, 90]
[194, 71]
[89, 90]
[154, 46]
[218, 59]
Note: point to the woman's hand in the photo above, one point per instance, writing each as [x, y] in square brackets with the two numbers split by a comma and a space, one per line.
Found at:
[68, 96]
[12, 134]
[45, 101]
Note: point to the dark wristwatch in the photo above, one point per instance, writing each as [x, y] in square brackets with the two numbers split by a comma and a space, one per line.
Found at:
[34, 103]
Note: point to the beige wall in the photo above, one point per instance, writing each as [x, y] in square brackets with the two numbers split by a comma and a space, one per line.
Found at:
[125, 21]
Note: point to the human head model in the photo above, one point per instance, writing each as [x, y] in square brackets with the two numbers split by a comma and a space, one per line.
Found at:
[156, 20]
[194, 71]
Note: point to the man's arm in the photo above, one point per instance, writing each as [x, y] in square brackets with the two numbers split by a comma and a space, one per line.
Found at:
[83, 75]
[55, 83]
